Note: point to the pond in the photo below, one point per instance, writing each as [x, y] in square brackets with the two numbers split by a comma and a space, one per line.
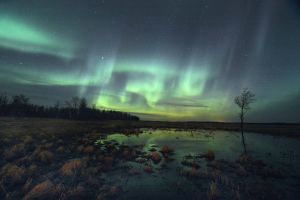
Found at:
[205, 164]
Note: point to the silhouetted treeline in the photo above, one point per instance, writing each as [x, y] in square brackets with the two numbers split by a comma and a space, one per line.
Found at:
[77, 108]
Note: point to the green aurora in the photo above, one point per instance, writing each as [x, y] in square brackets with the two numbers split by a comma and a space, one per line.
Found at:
[53, 60]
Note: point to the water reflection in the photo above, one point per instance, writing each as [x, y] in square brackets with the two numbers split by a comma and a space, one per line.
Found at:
[188, 173]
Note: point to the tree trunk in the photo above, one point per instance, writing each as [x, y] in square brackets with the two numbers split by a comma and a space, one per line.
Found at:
[242, 131]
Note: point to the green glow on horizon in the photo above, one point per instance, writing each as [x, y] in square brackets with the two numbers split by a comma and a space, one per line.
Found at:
[147, 83]
[146, 88]
[151, 81]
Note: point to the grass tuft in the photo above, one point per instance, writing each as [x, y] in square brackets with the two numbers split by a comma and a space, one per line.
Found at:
[73, 167]
[12, 174]
[213, 191]
[44, 190]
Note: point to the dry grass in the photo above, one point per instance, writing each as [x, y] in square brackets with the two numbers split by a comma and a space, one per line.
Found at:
[12, 174]
[242, 171]
[244, 159]
[108, 161]
[272, 173]
[128, 153]
[80, 148]
[89, 149]
[15, 151]
[213, 191]
[73, 167]
[92, 171]
[44, 156]
[148, 169]
[28, 140]
[49, 145]
[210, 156]
[216, 164]
[77, 192]
[60, 149]
[193, 173]
[155, 156]
[41, 127]
[32, 169]
[44, 190]
[113, 191]
[27, 186]
[166, 149]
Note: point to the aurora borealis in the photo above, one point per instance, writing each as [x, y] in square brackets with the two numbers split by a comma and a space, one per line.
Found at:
[161, 59]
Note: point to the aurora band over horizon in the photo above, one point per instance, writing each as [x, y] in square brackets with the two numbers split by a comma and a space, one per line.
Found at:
[176, 61]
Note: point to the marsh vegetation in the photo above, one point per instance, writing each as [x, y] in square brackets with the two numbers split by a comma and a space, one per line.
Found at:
[58, 159]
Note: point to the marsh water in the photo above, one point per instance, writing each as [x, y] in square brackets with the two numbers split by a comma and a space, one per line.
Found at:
[169, 180]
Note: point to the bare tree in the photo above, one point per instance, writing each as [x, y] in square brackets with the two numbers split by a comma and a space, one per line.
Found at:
[82, 104]
[243, 101]
[20, 100]
[3, 99]
[75, 102]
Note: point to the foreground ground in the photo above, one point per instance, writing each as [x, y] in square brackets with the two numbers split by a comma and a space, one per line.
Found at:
[58, 159]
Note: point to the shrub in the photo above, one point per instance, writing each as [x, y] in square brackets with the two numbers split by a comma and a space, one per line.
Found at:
[12, 174]
[73, 167]
[44, 156]
[210, 155]
[166, 149]
[89, 149]
[213, 191]
[15, 151]
[44, 190]
[60, 149]
[28, 140]
[155, 156]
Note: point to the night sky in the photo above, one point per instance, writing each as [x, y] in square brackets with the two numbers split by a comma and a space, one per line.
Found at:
[159, 59]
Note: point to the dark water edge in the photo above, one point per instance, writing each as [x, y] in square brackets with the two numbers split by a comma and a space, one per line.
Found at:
[7, 124]
[272, 162]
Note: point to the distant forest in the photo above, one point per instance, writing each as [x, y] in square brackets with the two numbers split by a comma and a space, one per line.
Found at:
[76, 109]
